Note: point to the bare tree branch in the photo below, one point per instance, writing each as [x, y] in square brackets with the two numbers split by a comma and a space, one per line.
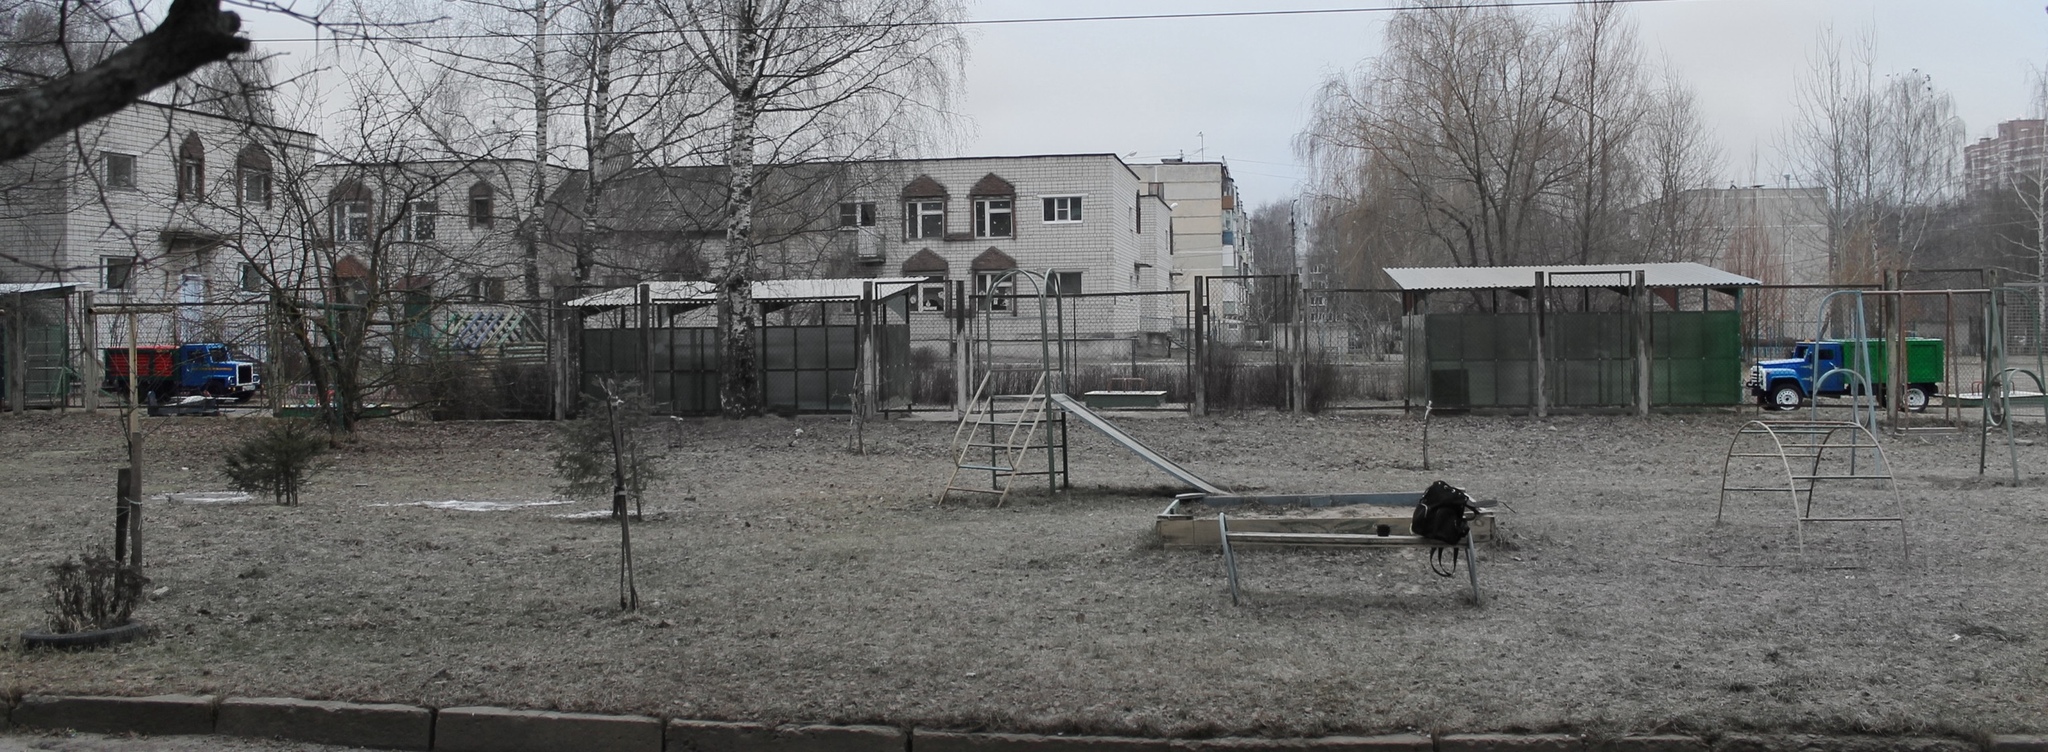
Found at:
[193, 33]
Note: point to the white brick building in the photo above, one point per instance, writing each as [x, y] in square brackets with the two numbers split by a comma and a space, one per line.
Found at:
[157, 204]
[447, 229]
[1086, 218]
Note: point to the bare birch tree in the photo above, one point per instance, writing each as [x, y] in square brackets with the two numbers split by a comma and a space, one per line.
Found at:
[806, 80]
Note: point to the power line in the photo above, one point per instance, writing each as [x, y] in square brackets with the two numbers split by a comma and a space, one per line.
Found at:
[1493, 4]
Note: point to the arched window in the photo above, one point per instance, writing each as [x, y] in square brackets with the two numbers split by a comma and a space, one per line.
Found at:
[191, 169]
[994, 207]
[924, 209]
[252, 176]
[349, 212]
[482, 205]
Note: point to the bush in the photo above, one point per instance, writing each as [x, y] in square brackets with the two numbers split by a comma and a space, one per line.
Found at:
[92, 591]
[583, 447]
[276, 460]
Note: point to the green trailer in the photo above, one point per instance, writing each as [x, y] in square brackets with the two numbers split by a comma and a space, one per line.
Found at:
[1786, 382]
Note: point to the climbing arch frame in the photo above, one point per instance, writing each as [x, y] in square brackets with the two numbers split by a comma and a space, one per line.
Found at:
[1811, 455]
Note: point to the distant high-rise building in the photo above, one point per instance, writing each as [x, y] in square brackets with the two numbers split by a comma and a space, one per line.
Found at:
[2018, 150]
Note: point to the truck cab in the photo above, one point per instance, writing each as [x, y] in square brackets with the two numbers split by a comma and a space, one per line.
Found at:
[1786, 383]
[165, 371]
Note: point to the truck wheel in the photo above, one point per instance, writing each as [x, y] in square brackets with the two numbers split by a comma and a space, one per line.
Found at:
[1916, 398]
[215, 388]
[1786, 397]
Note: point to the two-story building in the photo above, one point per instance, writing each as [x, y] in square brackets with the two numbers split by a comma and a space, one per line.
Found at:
[1086, 220]
[159, 204]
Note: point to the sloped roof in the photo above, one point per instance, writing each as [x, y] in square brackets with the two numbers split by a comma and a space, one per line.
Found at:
[1678, 274]
[924, 187]
[30, 288]
[993, 259]
[992, 185]
[925, 261]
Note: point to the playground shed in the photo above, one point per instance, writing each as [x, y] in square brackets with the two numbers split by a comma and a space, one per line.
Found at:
[826, 345]
[35, 351]
[1573, 336]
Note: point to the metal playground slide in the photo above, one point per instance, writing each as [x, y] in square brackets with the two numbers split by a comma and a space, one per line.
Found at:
[1078, 410]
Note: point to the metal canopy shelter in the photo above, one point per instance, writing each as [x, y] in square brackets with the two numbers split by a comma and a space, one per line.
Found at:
[1663, 279]
[1631, 356]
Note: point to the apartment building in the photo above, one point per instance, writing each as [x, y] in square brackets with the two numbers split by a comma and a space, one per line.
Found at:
[1992, 164]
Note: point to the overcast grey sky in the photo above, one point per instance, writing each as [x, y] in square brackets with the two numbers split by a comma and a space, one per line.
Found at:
[1238, 89]
[1243, 84]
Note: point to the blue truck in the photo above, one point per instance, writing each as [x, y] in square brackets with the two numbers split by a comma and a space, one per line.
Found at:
[1786, 383]
[167, 371]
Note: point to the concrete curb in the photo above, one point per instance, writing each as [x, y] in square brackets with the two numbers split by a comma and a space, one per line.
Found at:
[1509, 743]
[953, 741]
[481, 729]
[1653, 743]
[348, 724]
[162, 715]
[2016, 743]
[1389, 743]
[490, 729]
[713, 736]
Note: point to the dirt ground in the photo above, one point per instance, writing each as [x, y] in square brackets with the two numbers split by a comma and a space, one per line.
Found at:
[785, 578]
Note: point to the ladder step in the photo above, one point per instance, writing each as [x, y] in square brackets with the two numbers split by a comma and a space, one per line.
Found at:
[974, 490]
[996, 468]
[979, 445]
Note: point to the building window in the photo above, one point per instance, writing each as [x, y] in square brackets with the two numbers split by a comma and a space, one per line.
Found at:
[857, 215]
[490, 289]
[931, 296]
[481, 205]
[191, 169]
[420, 220]
[116, 272]
[120, 169]
[1063, 283]
[351, 212]
[352, 221]
[924, 218]
[992, 217]
[251, 279]
[996, 289]
[252, 168]
[1062, 208]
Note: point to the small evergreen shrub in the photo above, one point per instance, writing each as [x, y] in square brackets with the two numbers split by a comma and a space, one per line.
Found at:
[276, 460]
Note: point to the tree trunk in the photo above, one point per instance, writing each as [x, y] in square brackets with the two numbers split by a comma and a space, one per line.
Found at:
[740, 389]
[537, 183]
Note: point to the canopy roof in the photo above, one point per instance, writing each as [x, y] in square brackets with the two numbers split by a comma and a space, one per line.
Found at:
[1680, 274]
[771, 291]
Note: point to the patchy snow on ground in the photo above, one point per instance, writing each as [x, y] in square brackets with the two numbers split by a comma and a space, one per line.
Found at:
[464, 505]
[207, 497]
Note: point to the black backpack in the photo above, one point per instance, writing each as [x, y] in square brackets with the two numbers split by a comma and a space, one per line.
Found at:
[1440, 516]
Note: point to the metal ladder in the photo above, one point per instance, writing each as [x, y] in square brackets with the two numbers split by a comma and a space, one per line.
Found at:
[1006, 427]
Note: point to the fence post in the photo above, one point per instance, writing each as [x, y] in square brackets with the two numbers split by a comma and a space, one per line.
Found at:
[95, 371]
[1643, 370]
[1539, 396]
[1297, 342]
[17, 355]
[960, 307]
[1200, 343]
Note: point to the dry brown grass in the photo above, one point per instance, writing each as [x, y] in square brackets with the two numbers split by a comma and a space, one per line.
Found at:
[793, 581]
